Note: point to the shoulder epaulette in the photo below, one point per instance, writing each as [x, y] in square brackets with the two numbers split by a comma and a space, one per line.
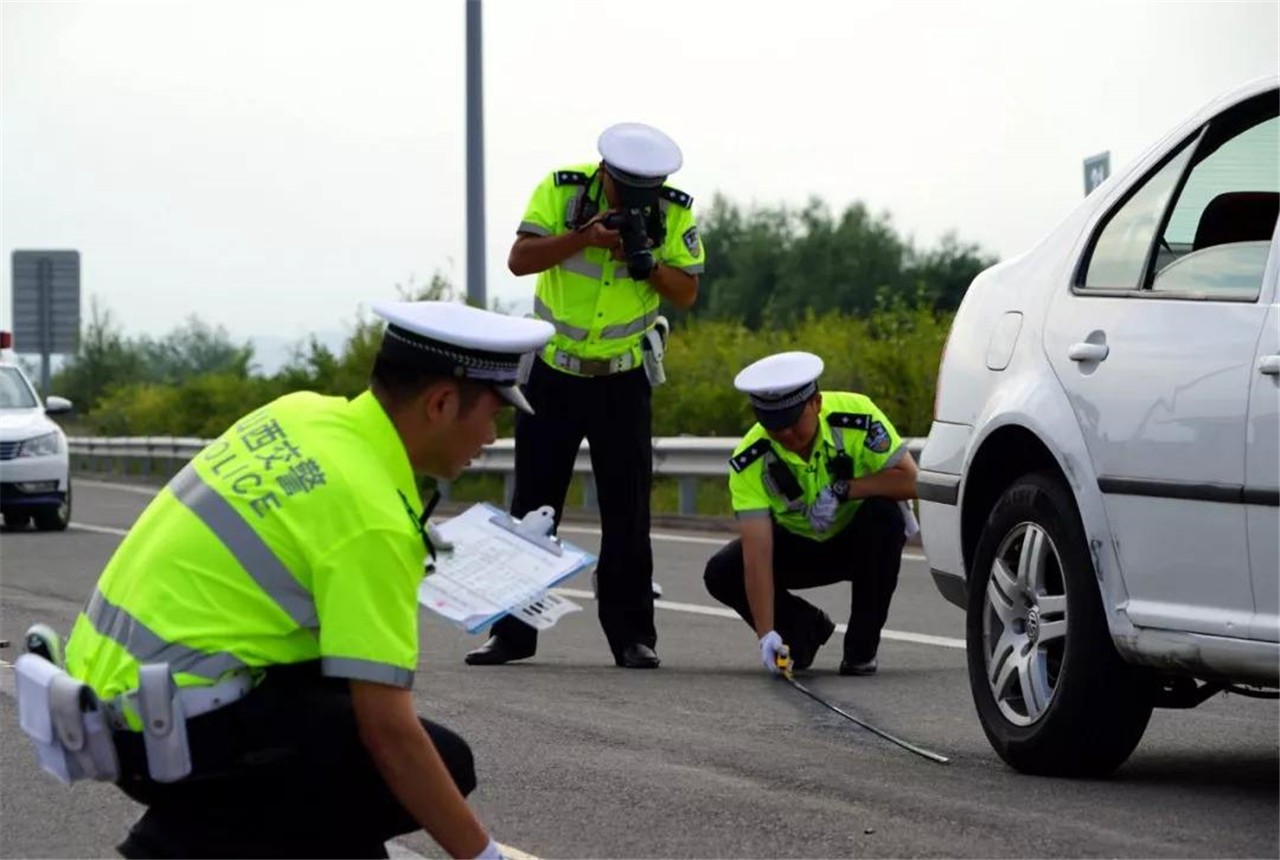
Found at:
[571, 177]
[675, 195]
[745, 458]
[849, 419]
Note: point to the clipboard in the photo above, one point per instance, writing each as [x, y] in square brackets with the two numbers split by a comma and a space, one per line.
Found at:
[500, 566]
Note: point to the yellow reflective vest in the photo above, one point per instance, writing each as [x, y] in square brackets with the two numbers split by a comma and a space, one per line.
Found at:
[598, 311]
[849, 424]
[294, 536]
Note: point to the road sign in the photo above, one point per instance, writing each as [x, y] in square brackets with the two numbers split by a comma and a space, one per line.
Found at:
[1096, 169]
[46, 305]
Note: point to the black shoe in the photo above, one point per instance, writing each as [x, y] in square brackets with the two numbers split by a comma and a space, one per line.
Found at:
[497, 651]
[802, 654]
[639, 656]
[864, 667]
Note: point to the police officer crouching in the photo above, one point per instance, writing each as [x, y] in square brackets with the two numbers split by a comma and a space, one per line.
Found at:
[607, 240]
[254, 637]
[816, 488]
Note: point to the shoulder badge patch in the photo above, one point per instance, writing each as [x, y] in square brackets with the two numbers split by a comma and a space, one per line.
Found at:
[745, 458]
[877, 439]
[848, 420]
[691, 241]
[675, 195]
[571, 177]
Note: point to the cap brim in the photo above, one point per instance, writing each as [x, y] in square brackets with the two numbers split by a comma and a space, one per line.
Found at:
[780, 419]
[513, 395]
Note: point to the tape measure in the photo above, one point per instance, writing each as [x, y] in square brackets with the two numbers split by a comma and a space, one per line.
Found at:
[783, 661]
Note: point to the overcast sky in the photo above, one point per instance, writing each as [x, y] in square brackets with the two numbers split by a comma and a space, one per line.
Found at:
[271, 167]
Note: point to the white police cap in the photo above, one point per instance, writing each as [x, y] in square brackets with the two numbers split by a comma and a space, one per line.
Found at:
[638, 154]
[462, 342]
[779, 386]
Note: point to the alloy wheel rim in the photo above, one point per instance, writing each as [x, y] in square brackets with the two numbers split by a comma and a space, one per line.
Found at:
[1024, 624]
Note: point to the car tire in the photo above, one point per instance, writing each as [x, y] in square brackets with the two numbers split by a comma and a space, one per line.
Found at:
[56, 519]
[1052, 694]
[17, 521]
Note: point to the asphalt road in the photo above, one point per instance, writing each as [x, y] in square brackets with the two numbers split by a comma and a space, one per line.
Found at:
[709, 756]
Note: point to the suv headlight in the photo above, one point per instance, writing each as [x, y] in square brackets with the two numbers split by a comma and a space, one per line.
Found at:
[41, 446]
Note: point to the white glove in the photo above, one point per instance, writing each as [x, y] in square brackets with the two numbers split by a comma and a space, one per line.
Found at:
[822, 513]
[491, 852]
[771, 648]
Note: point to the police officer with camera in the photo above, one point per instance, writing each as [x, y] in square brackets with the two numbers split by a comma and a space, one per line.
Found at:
[608, 240]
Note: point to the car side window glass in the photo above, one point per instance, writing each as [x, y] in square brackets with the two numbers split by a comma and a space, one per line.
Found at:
[1219, 232]
[1119, 255]
[14, 393]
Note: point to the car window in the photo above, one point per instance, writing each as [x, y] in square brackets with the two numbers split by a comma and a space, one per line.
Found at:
[1215, 244]
[1119, 256]
[14, 391]
[1200, 225]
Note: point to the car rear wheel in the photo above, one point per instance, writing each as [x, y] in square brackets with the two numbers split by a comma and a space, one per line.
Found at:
[1052, 694]
[56, 519]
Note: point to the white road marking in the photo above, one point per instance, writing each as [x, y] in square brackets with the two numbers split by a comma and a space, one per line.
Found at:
[102, 530]
[671, 606]
[124, 488]
[724, 612]
[583, 530]
[709, 541]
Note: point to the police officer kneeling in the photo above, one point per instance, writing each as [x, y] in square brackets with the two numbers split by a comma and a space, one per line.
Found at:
[816, 488]
[262, 613]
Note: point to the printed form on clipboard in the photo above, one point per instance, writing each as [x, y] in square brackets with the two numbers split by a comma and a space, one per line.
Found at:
[499, 565]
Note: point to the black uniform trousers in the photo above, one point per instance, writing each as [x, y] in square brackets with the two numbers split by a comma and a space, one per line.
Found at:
[865, 554]
[279, 773]
[613, 413]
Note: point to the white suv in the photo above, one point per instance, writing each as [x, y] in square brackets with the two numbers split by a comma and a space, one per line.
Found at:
[1099, 488]
[35, 473]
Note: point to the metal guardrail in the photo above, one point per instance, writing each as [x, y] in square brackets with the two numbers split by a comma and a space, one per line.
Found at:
[688, 459]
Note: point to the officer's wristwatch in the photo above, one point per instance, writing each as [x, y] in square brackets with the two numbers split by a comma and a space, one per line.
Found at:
[841, 489]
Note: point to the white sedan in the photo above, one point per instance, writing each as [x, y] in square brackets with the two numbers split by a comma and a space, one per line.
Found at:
[35, 473]
[1100, 485]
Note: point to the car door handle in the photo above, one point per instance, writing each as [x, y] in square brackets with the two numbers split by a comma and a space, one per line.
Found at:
[1270, 365]
[1088, 351]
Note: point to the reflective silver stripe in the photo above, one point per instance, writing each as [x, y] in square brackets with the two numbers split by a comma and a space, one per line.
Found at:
[145, 646]
[243, 542]
[754, 514]
[535, 229]
[580, 265]
[695, 269]
[636, 326]
[366, 670]
[541, 310]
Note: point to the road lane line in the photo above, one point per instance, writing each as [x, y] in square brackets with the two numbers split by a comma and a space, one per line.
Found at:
[724, 612]
[671, 606]
[570, 529]
[102, 530]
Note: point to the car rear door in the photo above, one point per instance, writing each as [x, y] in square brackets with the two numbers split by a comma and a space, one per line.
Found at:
[1155, 343]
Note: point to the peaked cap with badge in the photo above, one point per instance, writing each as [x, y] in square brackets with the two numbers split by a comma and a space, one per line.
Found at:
[779, 386]
[638, 155]
[462, 342]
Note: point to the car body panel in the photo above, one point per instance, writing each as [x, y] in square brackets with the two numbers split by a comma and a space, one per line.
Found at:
[1092, 431]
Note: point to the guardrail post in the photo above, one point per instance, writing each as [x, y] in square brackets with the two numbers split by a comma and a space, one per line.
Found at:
[445, 489]
[589, 499]
[508, 489]
[688, 497]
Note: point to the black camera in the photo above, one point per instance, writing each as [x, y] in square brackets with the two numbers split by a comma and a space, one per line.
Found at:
[632, 226]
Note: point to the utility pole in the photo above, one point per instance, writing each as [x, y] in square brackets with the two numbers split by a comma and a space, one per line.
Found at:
[475, 160]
